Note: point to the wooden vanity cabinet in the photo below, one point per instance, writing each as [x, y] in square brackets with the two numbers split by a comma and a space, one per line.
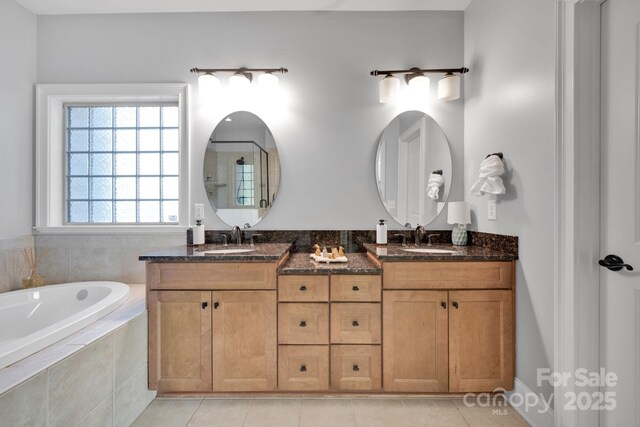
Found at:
[211, 340]
[459, 339]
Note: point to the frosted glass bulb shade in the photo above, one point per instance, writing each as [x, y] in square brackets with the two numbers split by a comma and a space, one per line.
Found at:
[459, 213]
[449, 88]
[239, 82]
[207, 85]
[389, 88]
[420, 84]
[268, 81]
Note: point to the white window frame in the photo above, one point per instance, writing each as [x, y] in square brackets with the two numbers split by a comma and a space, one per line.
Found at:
[50, 151]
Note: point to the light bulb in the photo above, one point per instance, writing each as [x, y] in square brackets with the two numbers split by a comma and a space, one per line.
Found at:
[207, 85]
[449, 88]
[388, 89]
[419, 85]
[268, 81]
[239, 81]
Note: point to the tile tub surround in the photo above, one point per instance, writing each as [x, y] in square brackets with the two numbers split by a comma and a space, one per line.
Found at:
[97, 374]
[13, 266]
[327, 412]
[396, 252]
[76, 258]
[301, 263]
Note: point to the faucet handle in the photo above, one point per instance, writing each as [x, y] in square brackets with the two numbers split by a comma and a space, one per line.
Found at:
[225, 238]
[429, 238]
[251, 236]
[404, 238]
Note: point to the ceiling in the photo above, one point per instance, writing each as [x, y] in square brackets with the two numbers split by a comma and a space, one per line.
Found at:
[60, 7]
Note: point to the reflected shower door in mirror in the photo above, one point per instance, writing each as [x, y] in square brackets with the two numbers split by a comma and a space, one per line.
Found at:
[413, 168]
[241, 169]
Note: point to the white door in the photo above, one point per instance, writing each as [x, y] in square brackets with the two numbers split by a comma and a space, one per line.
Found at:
[411, 175]
[620, 207]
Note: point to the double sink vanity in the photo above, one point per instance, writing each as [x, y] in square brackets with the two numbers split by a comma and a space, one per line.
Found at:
[393, 319]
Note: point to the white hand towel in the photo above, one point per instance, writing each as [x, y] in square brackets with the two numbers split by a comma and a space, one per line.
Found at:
[489, 181]
[433, 186]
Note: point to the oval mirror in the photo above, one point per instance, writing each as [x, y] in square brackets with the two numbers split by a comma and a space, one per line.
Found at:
[413, 169]
[241, 169]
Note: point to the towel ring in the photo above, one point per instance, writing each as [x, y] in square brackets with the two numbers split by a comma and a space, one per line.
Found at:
[496, 154]
[438, 172]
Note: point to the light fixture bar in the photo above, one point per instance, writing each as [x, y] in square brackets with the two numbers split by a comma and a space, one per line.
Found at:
[462, 70]
[236, 70]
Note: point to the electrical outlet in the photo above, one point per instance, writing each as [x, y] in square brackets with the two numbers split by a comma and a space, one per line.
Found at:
[492, 211]
[198, 212]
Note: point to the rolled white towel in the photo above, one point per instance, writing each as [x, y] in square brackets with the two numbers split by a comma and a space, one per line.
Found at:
[433, 186]
[489, 181]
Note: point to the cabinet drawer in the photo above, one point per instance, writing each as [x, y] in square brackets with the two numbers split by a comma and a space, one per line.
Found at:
[348, 288]
[303, 323]
[303, 367]
[355, 323]
[211, 276]
[448, 275]
[356, 367]
[303, 288]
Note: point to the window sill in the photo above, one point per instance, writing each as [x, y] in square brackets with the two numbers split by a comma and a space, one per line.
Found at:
[110, 229]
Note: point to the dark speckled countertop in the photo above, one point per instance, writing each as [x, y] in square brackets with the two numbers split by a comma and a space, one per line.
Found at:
[395, 252]
[358, 263]
[259, 252]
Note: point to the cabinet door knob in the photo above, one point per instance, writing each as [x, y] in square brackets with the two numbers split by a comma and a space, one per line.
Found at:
[443, 304]
[303, 324]
[216, 305]
[356, 368]
[303, 368]
[205, 305]
[455, 304]
[303, 288]
[355, 323]
[355, 288]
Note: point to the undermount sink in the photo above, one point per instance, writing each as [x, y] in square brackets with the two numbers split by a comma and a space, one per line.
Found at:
[226, 251]
[429, 251]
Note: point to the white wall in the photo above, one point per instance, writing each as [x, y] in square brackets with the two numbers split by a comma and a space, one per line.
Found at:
[327, 124]
[509, 107]
[17, 76]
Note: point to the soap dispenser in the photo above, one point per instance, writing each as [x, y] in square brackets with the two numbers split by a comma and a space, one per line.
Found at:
[381, 233]
[198, 229]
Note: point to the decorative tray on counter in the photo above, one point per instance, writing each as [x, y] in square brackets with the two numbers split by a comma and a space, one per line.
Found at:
[327, 259]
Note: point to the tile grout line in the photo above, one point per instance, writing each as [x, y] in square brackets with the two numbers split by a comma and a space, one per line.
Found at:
[194, 412]
[461, 414]
[244, 420]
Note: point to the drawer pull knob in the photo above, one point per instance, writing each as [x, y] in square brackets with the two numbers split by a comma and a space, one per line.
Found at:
[216, 305]
[205, 305]
[303, 324]
[303, 288]
[303, 368]
[455, 304]
[355, 323]
[443, 304]
[355, 288]
[356, 368]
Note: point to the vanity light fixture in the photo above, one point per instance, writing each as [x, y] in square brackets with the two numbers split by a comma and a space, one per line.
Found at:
[241, 78]
[448, 87]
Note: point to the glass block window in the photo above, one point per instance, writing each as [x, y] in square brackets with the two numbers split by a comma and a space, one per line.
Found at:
[244, 185]
[122, 164]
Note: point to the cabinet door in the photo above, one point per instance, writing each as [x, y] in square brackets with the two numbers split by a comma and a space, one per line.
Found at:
[179, 340]
[415, 348]
[244, 340]
[481, 339]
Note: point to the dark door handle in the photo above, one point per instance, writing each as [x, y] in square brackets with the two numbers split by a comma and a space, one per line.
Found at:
[455, 304]
[205, 305]
[443, 304]
[355, 323]
[303, 288]
[614, 263]
[355, 289]
[303, 324]
[356, 368]
[216, 305]
[303, 368]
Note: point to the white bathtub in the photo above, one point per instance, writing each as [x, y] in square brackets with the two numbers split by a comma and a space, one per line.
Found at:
[33, 319]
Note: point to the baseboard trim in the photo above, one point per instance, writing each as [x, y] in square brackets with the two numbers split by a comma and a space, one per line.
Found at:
[534, 416]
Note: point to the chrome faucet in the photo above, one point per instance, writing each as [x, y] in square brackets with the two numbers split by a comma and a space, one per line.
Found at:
[404, 238]
[419, 234]
[236, 234]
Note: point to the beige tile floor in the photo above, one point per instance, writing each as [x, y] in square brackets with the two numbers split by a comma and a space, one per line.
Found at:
[324, 412]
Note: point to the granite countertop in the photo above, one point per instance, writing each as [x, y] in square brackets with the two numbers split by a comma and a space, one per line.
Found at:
[301, 263]
[259, 252]
[394, 252]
